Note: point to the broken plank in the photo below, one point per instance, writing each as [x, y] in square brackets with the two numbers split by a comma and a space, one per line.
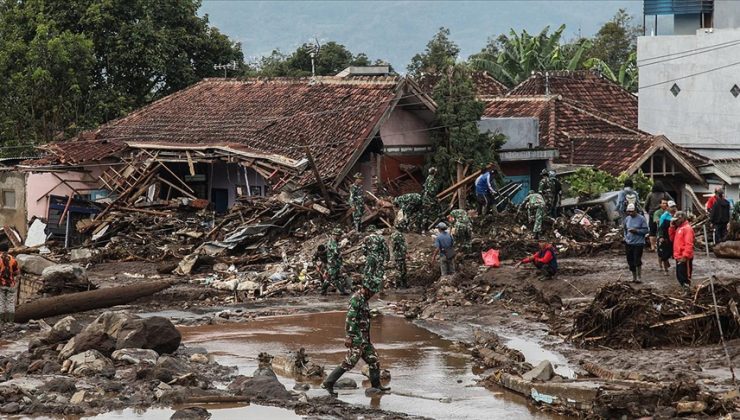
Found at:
[191, 166]
[682, 319]
[143, 211]
[457, 185]
[187, 194]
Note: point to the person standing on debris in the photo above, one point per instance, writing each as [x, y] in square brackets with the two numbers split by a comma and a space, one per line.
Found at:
[655, 201]
[376, 255]
[545, 260]
[462, 229]
[635, 228]
[557, 192]
[357, 201]
[9, 273]
[357, 329]
[719, 215]
[444, 248]
[399, 257]
[683, 248]
[546, 190]
[655, 223]
[485, 191]
[334, 264]
[410, 205]
[535, 204]
[626, 197]
[429, 202]
[665, 245]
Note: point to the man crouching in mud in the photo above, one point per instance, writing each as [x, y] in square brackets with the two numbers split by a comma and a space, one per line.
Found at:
[358, 342]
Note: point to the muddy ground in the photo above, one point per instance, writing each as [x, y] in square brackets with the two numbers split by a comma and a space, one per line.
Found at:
[523, 310]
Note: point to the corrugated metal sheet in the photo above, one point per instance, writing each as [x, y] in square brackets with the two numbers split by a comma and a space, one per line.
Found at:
[677, 7]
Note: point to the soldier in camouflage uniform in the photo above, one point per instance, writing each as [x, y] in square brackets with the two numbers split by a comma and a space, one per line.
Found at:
[333, 265]
[376, 255]
[547, 190]
[357, 329]
[462, 229]
[357, 201]
[399, 257]
[535, 205]
[410, 204]
[430, 204]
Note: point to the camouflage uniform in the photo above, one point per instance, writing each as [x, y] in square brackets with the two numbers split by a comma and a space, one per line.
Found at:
[430, 204]
[463, 229]
[399, 257]
[357, 201]
[535, 204]
[376, 254]
[410, 204]
[333, 267]
[357, 327]
[546, 188]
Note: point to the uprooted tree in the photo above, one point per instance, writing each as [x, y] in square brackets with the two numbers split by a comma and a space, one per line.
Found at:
[458, 138]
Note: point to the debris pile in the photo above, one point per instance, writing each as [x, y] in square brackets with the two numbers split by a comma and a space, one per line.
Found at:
[623, 317]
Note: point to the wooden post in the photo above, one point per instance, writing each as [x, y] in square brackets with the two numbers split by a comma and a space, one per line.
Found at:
[462, 191]
[316, 174]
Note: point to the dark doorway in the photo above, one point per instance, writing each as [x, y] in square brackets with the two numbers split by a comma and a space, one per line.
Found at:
[220, 199]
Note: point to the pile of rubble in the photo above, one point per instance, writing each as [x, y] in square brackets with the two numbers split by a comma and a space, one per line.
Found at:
[621, 316]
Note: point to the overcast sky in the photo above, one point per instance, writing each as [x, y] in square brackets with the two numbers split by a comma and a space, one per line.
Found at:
[396, 30]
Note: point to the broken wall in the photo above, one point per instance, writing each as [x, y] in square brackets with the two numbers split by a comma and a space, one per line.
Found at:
[229, 176]
[39, 185]
[13, 200]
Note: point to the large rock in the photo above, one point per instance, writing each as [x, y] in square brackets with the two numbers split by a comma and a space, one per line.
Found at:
[260, 388]
[89, 363]
[136, 356]
[156, 333]
[542, 372]
[33, 264]
[193, 413]
[64, 273]
[346, 383]
[100, 335]
[64, 329]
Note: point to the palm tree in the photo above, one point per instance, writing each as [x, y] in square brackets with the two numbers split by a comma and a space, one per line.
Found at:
[519, 55]
[627, 75]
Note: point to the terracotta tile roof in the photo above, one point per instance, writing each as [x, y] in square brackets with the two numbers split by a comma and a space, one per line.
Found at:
[485, 84]
[587, 88]
[81, 151]
[613, 154]
[278, 116]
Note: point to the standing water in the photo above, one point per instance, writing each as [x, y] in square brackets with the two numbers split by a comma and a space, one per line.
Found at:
[430, 376]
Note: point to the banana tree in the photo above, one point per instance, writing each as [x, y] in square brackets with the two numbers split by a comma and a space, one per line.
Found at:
[626, 75]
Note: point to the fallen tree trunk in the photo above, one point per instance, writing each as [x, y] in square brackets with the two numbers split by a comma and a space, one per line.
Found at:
[85, 301]
[728, 249]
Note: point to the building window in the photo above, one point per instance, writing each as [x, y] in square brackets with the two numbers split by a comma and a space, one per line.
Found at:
[735, 91]
[675, 90]
[8, 199]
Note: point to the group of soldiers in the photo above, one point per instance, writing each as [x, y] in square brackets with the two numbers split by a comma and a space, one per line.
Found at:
[544, 201]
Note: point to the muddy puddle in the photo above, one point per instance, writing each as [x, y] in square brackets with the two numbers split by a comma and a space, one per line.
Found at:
[431, 376]
[219, 412]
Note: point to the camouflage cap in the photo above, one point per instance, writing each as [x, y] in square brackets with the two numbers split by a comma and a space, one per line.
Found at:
[371, 284]
[543, 172]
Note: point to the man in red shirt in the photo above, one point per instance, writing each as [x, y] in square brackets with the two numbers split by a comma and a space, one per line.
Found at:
[9, 273]
[713, 199]
[682, 235]
[545, 260]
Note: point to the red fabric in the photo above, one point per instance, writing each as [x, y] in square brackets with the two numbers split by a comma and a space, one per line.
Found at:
[683, 243]
[491, 258]
[712, 200]
[8, 282]
[545, 259]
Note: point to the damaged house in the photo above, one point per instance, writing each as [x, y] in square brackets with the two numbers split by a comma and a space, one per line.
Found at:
[221, 139]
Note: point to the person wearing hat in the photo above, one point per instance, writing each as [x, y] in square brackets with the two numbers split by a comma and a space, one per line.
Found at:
[334, 265]
[399, 257]
[429, 201]
[682, 235]
[665, 245]
[535, 205]
[357, 201]
[409, 206]
[444, 248]
[359, 346]
[635, 228]
[376, 255]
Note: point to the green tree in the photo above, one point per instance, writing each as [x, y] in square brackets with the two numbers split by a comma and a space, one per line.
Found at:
[459, 139]
[71, 65]
[519, 55]
[440, 53]
[331, 59]
[590, 183]
[616, 40]
[626, 75]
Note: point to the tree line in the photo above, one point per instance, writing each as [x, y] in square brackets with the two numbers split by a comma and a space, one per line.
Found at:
[69, 66]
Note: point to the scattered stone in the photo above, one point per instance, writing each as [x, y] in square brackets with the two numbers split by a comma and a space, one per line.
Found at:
[10, 408]
[260, 388]
[199, 358]
[194, 413]
[78, 254]
[136, 356]
[90, 362]
[346, 383]
[60, 384]
[64, 273]
[301, 387]
[77, 398]
[156, 333]
[63, 330]
[690, 407]
[33, 264]
[542, 372]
